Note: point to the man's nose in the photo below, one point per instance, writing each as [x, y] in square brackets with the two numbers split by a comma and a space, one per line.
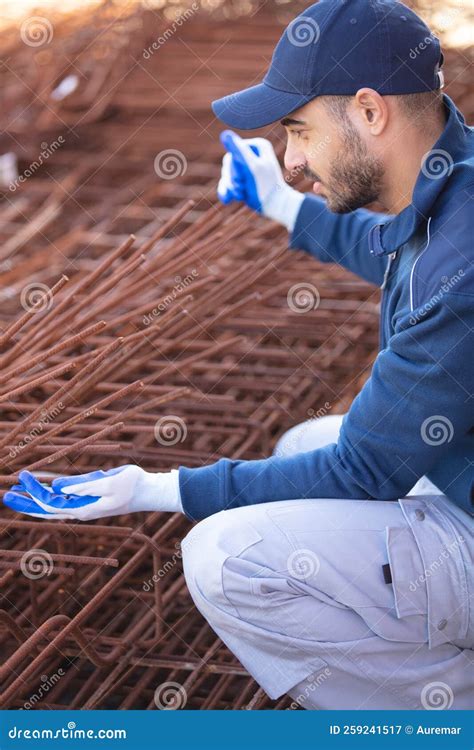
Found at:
[294, 158]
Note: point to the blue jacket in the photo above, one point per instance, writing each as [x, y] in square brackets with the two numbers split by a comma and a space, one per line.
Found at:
[415, 414]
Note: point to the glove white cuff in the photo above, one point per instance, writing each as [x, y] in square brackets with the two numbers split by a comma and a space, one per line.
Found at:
[283, 205]
[158, 492]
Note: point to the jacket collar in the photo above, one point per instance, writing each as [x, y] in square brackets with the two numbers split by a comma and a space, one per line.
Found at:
[434, 174]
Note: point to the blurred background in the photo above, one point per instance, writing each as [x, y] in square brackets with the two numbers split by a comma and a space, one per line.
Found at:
[119, 82]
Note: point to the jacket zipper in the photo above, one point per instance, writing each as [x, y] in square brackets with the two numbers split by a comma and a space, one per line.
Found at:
[391, 258]
[416, 261]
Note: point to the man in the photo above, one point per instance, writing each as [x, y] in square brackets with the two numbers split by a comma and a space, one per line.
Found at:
[339, 570]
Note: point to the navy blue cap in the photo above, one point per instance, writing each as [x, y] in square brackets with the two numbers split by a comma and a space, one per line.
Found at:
[336, 47]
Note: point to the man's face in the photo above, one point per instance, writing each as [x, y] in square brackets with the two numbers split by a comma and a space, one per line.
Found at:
[330, 151]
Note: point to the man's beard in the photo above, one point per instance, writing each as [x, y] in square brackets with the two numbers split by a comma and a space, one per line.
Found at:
[355, 176]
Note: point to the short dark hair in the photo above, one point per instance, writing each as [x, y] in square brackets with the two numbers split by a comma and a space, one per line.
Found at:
[428, 103]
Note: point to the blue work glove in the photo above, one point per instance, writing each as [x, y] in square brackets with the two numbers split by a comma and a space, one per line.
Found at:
[35, 498]
[98, 494]
[251, 173]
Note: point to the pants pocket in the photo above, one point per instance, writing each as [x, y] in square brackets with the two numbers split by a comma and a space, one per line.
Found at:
[409, 621]
[406, 568]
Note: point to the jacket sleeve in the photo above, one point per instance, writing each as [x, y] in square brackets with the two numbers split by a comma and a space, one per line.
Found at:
[339, 238]
[399, 427]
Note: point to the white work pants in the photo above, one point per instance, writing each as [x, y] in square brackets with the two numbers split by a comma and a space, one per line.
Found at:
[343, 604]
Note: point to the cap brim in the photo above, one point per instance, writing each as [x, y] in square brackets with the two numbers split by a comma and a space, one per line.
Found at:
[257, 106]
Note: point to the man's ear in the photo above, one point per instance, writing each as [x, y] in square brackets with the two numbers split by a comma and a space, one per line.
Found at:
[372, 110]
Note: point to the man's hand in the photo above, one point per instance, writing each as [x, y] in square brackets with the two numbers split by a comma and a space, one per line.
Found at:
[251, 173]
[98, 494]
